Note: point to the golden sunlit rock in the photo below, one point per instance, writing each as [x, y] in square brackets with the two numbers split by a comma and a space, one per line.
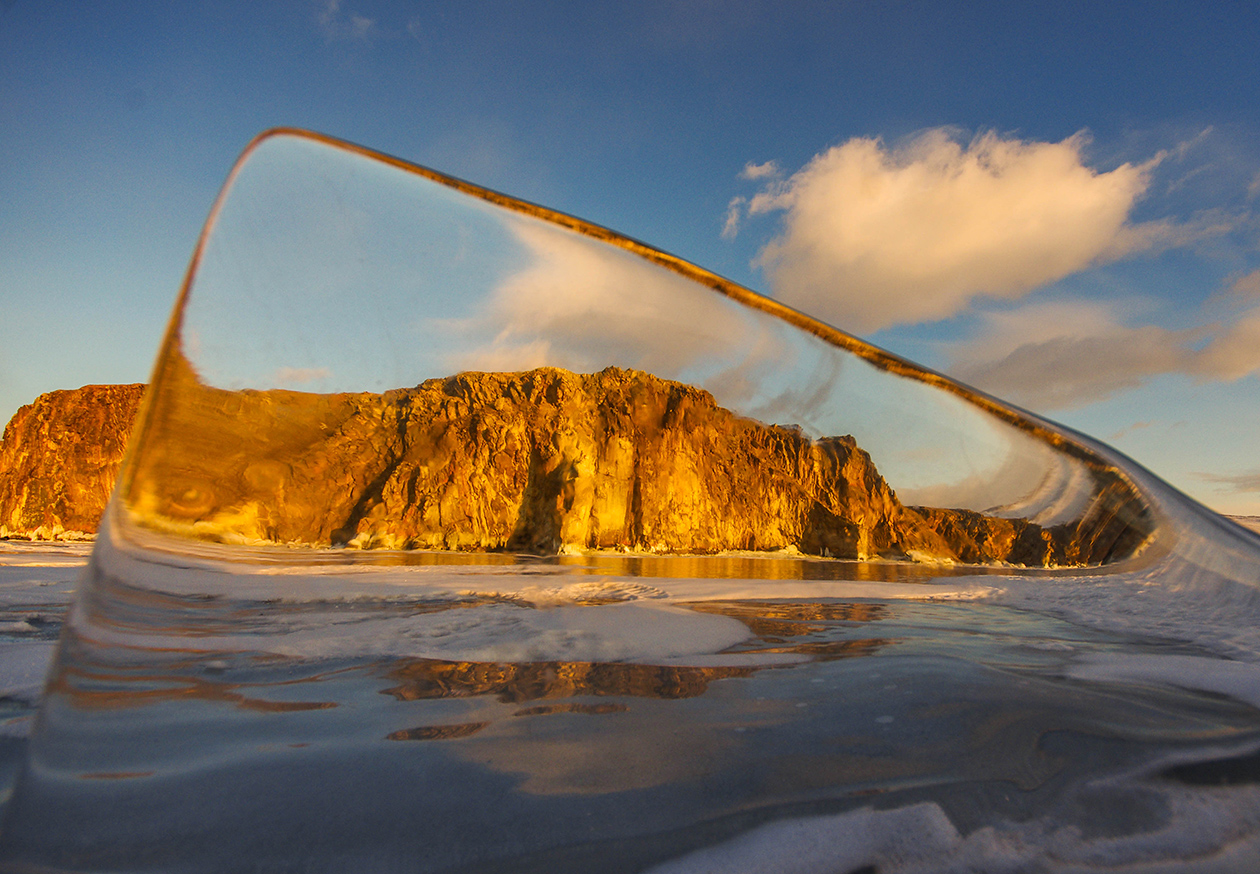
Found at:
[517, 682]
[60, 457]
[541, 461]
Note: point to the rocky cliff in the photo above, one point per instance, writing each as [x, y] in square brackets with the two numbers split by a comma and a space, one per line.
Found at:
[1115, 525]
[537, 461]
[59, 458]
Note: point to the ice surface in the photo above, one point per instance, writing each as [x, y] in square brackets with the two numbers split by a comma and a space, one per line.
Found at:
[1238, 680]
[920, 839]
[37, 583]
[23, 667]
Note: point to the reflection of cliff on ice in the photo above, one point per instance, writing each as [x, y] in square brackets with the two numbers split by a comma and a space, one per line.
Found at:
[473, 613]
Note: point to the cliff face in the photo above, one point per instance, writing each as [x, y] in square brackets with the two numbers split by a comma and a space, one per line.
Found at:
[538, 461]
[534, 461]
[59, 458]
[1116, 524]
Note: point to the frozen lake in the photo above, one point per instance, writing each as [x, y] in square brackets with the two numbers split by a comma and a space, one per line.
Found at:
[559, 716]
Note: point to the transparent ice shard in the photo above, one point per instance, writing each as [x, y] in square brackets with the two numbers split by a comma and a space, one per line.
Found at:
[349, 321]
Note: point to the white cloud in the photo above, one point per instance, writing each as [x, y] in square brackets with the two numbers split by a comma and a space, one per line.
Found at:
[1071, 353]
[768, 170]
[875, 236]
[733, 211]
[582, 305]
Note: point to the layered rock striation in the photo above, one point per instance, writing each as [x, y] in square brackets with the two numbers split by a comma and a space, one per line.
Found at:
[59, 458]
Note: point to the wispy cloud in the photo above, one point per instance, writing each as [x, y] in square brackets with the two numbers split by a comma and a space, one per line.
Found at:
[1071, 353]
[734, 211]
[1079, 352]
[1243, 482]
[1136, 426]
[580, 305]
[875, 236]
[1247, 287]
[1233, 353]
[339, 25]
[289, 376]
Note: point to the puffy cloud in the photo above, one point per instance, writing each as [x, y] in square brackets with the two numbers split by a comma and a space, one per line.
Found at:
[768, 170]
[875, 236]
[582, 305]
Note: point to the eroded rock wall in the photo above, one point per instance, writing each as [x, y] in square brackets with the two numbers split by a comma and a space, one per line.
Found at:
[535, 461]
[59, 458]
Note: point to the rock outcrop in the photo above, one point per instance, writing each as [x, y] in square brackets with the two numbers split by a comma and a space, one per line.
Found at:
[59, 458]
[1115, 525]
[538, 461]
[534, 462]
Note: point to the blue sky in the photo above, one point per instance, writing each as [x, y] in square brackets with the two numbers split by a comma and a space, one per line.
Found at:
[1000, 190]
